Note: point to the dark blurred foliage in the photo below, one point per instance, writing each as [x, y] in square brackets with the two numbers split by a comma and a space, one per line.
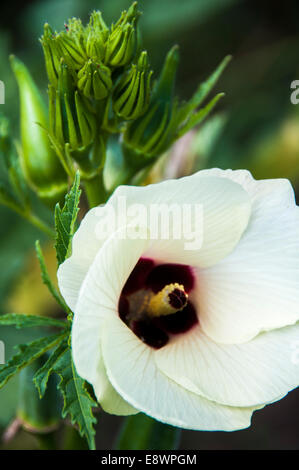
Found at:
[254, 127]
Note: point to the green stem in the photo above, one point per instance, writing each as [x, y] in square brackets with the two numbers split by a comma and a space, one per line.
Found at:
[95, 190]
[47, 441]
[129, 176]
[140, 432]
[72, 439]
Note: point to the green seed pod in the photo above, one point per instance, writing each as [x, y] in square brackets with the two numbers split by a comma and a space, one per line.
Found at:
[94, 80]
[131, 96]
[37, 414]
[152, 133]
[97, 35]
[52, 54]
[41, 166]
[122, 41]
[71, 120]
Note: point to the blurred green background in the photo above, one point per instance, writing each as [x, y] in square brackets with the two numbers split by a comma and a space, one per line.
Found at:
[255, 127]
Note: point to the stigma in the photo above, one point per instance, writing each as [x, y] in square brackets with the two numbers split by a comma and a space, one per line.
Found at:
[171, 299]
[155, 302]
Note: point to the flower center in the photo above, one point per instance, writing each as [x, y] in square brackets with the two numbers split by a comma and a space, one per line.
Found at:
[170, 299]
[154, 302]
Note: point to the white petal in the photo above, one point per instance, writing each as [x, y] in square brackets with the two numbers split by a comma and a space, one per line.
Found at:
[107, 396]
[87, 357]
[98, 299]
[278, 190]
[132, 371]
[260, 371]
[103, 283]
[86, 350]
[85, 245]
[224, 205]
[256, 287]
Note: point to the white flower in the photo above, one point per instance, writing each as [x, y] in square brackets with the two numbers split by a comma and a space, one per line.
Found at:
[228, 349]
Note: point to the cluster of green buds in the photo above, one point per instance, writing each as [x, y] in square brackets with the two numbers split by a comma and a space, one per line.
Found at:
[90, 69]
[151, 134]
[94, 53]
[100, 83]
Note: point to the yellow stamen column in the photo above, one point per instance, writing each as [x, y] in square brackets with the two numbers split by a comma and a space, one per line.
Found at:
[171, 299]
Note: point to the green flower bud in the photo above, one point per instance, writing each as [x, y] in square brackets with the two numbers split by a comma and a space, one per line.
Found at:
[97, 24]
[95, 46]
[152, 133]
[94, 80]
[131, 96]
[75, 30]
[37, 414]
[72, 44]
[41, 166]
[52, 54]
[122, 41]
[71, 119]
[97, 35]
[129, 16]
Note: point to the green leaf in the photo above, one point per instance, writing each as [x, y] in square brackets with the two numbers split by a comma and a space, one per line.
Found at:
[46, 278]
[185, 111]
[205, 87]
[198, 117]
[42, 375]
[77, 401]
[20, 320]
[140, 432]
[27, 353]
[65, 219]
